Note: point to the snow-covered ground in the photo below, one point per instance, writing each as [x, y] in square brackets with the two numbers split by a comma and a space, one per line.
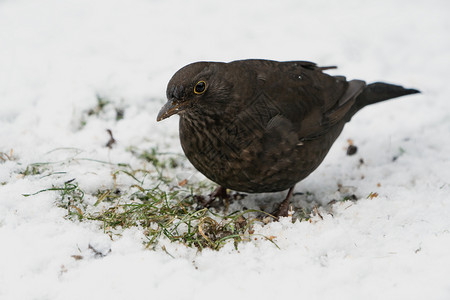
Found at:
[56, 56]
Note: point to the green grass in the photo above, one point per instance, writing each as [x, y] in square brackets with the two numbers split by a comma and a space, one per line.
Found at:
[32, 169]
[174, 216]
[103, 103]
[155, 205]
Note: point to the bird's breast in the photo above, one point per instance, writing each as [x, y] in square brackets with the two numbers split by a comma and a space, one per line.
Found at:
[233, 154]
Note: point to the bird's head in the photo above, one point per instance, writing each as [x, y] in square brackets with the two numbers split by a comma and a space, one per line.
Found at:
[200, 87]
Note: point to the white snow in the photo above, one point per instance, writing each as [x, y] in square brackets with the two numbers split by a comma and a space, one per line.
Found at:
[56, 56]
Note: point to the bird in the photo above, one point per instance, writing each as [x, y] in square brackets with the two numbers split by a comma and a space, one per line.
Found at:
[259, 126]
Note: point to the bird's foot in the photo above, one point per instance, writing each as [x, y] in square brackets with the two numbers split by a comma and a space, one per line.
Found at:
[222, 194]
[219, 193]
[283, 209]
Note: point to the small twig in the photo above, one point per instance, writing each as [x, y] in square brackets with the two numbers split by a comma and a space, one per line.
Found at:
[111, 139]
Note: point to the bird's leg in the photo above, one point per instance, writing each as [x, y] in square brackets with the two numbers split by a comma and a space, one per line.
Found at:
[219, 193]
[283, 209]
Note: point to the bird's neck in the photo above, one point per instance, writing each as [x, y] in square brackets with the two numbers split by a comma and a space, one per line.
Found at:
[206, 119]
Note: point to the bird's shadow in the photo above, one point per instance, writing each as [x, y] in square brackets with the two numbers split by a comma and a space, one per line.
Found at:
[303, 204]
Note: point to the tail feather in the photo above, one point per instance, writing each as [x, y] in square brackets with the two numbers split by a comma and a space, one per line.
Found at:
[380, 91]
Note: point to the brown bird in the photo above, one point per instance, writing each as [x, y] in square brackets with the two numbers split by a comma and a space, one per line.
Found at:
[262, 126]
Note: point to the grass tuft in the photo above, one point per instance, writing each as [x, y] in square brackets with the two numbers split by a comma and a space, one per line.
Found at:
[148, 199]
[7, 156]
[101, 104]
[98, 110]
[32, 169]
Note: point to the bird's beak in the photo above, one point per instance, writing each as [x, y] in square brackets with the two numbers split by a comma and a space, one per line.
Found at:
[173, 106]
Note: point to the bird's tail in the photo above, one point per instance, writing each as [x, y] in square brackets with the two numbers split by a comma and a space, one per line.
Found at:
[380, 91]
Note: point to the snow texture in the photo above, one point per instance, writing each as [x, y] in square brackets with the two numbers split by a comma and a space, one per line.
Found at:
[56, 56]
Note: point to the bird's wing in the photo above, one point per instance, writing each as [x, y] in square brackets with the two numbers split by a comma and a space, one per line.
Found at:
[345, 102]
[312, 100]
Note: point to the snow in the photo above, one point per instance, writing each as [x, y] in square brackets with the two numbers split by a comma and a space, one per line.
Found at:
[56, 56]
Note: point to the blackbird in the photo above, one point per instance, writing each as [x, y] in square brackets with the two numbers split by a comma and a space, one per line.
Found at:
[260, 125]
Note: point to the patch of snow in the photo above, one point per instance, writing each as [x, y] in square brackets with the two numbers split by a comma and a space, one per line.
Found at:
[57, 56]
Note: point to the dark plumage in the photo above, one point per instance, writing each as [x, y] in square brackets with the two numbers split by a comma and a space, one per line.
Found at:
[262, 126]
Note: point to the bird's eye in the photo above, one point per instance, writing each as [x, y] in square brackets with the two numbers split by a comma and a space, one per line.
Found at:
[200, 87]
